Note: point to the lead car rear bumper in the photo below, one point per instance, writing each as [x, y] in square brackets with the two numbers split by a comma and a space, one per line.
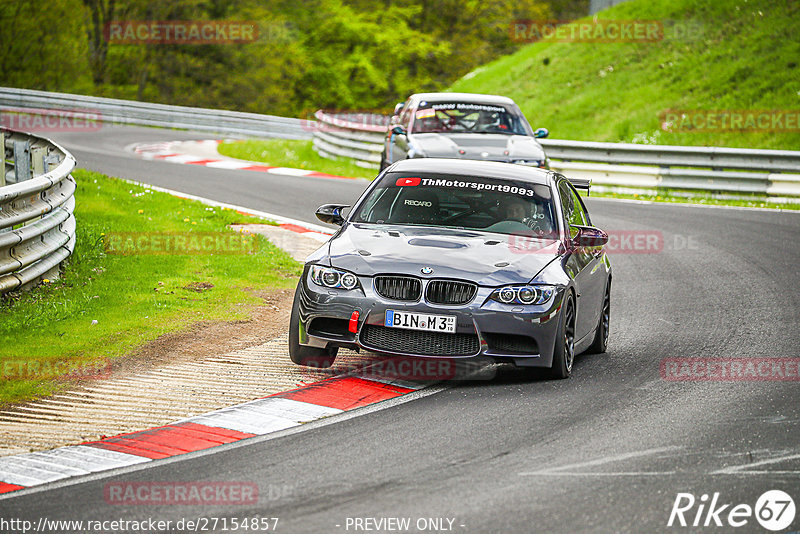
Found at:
[522, 335]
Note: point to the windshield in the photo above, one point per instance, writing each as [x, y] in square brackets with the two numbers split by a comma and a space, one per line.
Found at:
[472, 203]
[454, 117]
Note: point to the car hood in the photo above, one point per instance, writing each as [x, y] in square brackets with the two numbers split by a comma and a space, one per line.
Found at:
[485, 258]
[492, 147]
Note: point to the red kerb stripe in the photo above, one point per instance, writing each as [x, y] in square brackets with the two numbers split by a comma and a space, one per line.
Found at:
[170, 440]
[294, 228]
[262, 168]
[344, 393]
[5, 487]
[316, 174]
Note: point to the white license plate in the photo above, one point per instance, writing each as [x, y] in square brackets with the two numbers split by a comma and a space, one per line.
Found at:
[421, 321]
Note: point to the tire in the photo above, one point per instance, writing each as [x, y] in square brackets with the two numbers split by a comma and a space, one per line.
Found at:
[600, 343]
[302, 355]
[564, 349]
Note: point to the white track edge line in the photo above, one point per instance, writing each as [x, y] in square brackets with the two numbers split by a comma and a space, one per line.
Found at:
[207, 201]
[318, 423]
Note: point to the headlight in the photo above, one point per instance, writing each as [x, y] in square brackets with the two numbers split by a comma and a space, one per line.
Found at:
[523, 294]
[334, 278]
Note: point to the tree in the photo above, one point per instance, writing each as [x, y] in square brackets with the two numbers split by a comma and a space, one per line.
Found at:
[43, 48]
[101, 13]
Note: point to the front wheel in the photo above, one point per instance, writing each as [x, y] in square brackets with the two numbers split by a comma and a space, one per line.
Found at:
[300, 354]
[564, 349]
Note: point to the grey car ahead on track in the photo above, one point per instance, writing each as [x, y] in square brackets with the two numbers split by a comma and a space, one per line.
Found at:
[462, 126]
[458, 259]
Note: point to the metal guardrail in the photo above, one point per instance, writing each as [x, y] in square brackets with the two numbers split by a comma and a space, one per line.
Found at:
[37, 225]
[774, 173]
[358, 136]
[110, 110]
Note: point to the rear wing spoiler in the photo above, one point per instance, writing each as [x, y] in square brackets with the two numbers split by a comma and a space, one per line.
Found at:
[581, 183]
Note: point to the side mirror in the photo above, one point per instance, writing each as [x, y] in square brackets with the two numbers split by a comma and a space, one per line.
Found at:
[331, 213]
[541, 133]
[398, 107]
[589, 236]
[398, 130]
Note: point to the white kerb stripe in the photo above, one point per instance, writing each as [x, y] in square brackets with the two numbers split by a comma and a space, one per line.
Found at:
[40, 467]
[263, 416]
[183, 159]
[104, 458]
[228, 164]
[290, 171]
[250, 423]
[23, 473]
[20, 477]
[91, 459]
[297, 411]
[30, 460]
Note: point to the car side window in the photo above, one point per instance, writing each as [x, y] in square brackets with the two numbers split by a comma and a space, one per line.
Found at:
[574, 212]
[580, 209]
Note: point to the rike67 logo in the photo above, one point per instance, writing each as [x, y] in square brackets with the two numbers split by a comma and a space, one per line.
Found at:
[774, 510]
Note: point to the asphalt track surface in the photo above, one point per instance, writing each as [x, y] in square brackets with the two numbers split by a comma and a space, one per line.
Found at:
[605, 451]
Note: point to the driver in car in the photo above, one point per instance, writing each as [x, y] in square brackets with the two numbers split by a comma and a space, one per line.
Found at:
[516, 210]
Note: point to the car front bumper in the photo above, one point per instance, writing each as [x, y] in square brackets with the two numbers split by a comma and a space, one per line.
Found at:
[523, 335]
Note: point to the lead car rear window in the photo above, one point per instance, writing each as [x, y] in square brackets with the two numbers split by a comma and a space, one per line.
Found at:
[474, 203]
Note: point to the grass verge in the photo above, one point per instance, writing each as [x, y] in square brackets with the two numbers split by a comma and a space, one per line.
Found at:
[294, 154]
[721, 55]
[106, 305]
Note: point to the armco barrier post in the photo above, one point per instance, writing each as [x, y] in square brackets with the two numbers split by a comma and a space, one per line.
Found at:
[22, 160]
[38, 155]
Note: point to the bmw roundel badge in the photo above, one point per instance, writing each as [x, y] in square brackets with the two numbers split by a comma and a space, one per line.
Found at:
[426, 270]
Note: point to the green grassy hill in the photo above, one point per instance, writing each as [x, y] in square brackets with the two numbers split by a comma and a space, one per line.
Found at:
[744, 55]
